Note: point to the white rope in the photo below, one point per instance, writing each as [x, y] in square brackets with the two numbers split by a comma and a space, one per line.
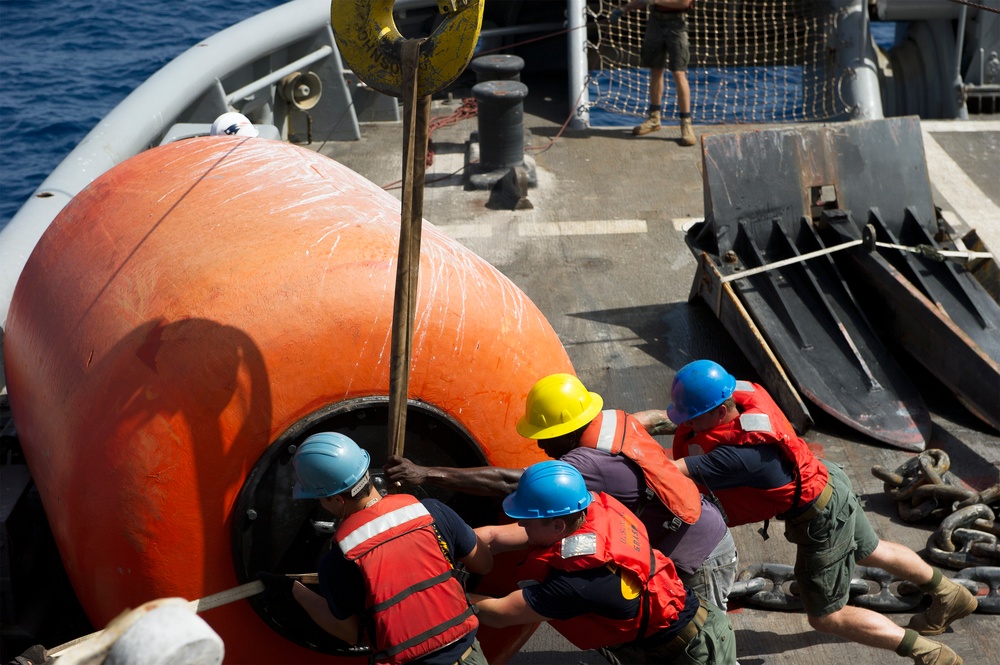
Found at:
[787, 262]
[925, 250]
[200, 605]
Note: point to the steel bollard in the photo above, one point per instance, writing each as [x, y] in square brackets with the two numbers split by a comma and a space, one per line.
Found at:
[501, 123]
[500, 67]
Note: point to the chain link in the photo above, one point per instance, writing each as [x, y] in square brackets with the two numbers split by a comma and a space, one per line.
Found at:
[923, 488]
[772, 586]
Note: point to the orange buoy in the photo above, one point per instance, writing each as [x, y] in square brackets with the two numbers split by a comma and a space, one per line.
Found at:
[196, 312]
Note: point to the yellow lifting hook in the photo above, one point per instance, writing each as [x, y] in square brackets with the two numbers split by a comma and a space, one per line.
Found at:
[370, 43]
[413, 70]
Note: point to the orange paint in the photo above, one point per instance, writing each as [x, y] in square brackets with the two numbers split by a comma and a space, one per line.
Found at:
[193, 303]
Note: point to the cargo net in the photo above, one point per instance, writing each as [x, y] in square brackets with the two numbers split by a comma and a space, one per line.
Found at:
[751, 62]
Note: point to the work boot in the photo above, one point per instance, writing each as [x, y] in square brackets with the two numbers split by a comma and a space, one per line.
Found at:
[650, 124]
[687, 132]
[929, 652]
[950, 603]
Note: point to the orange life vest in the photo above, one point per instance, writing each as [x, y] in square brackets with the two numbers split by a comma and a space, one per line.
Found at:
[414, 598]
[760, 422]
[612, 535]
[619, 433]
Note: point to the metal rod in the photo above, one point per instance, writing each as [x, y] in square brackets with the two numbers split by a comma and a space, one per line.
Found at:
[277, 75]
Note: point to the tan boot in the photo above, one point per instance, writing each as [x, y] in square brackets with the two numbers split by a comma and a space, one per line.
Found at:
[650, 124]
[928, 652]
[950, 603]
[687, 132]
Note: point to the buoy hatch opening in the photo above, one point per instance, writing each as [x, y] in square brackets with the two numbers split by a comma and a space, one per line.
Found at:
[274, 533]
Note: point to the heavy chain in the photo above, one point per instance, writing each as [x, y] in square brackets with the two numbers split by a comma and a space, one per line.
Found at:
[967, 537]
[772, 586]
[923, 488]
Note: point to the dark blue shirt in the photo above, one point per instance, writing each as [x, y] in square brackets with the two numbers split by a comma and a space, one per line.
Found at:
[342, 585]
[564, 595]
[760, 466]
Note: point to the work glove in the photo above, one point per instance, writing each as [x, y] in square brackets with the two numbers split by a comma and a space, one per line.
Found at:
[36, 655]
[616, 14]
[276, 587]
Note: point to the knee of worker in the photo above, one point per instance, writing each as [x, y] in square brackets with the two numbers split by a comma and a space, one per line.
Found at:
[891, 554]
[827, 623]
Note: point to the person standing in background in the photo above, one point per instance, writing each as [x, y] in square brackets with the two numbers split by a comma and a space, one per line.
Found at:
[664, 46]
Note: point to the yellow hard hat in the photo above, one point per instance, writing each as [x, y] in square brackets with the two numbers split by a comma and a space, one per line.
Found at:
[557, 405]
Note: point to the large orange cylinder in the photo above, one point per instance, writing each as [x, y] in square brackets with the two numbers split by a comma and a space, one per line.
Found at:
[195, 303]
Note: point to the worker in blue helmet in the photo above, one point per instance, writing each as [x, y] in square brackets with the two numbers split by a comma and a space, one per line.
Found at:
[390, 581]
[616, 454]
[735, 442]
[592, 574]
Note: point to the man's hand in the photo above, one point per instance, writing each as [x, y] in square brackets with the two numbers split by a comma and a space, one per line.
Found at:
[655, 421]
[401, 470]
[36, 655]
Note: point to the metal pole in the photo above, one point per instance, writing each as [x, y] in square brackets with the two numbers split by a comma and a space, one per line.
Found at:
[576, 44]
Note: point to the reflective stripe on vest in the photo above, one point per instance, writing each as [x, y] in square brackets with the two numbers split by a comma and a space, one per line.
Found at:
[381, 524]
[620, 434]
[618, 538]
[606, 438]
[413, 598]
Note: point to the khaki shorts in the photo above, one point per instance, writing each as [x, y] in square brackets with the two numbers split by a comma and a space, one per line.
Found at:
[829, 547]
[665, 42]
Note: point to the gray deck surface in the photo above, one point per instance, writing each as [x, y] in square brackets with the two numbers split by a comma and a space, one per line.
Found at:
[614, 281]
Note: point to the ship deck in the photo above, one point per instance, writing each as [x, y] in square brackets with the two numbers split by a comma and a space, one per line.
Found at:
[601, 253]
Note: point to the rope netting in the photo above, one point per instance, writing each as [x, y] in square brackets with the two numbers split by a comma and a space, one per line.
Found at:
[751, 61]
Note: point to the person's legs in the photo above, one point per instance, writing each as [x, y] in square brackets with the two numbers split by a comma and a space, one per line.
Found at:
[950, 602]
[714, 579]
[652, 121]
[901, 561]
[476, 656]
[715, 643]
[828, 547]
[684, 108]
[683, 92]
[678, 58]
[656, 86]
[864, 626]
[653, 55]
[861, 625]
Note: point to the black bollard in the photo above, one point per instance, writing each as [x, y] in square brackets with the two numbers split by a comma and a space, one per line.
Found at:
[501, 123]
[500, 67]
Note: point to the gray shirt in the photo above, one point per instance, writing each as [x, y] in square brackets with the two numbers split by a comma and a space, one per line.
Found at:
[689, 545]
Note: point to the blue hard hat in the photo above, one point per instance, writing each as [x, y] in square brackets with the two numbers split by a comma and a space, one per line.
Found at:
[699, 387]
[328, 463]
[548, 489]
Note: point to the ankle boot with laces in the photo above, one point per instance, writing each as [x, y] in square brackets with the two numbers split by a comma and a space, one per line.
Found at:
[650, 124]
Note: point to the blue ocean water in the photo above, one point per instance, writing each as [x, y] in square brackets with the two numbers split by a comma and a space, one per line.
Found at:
[64, 64]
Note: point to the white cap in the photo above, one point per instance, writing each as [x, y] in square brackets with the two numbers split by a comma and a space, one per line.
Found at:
[233, 124]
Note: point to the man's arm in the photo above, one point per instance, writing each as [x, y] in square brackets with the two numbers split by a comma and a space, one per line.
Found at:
[503, 537]
[316, 607]
[682, 467]
[511, 610]
[479, 480]
[655, 421]
[480, 559]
